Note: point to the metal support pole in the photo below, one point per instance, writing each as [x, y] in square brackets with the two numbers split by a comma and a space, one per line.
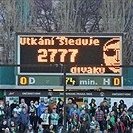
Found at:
[64, 83]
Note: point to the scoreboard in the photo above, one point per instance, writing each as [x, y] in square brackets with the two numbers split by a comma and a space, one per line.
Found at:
[83, 54]
[91, 60]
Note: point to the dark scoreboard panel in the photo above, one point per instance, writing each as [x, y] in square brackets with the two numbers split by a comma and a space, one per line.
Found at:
[82, 54]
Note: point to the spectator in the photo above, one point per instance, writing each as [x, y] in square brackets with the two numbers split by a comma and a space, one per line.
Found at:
[104, 101]
[92, 107]
[131, 125]
[87, 110]
[125, 119]
[7, 110]
[3, 126]
[122, 105]
[51, 105]
[13, 127]
[29, 129]
[119, 126]
[33, 115]
[84, 115]
[51, 129]
[54, 117]
[69, 105]
[130, 109]
[16, 120]
[83, 106]
[2, 113]
[99, 115]
[40, 129]
[36, 104]
[74, 120]
[12, 106]
[61, 118]
[45, 119]
[41, 108]
[105, 108]
[73, 108]
[94, 125]
[85, 126]
[112, 120]
[115, 108]
[59, 105]
[46, 102]
[17, 110]
[24, 120]
[107, 125]
[23, 105]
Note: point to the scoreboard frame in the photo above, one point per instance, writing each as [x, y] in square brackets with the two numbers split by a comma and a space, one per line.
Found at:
[70, 36]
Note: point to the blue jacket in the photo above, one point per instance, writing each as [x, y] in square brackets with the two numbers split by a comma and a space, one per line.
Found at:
[40, 109]
[72, 110]
[24, 119]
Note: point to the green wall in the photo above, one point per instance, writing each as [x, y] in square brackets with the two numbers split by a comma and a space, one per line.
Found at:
[7, 75]
[128, 76]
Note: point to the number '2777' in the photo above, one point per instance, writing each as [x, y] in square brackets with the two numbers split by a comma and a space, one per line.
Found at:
[43, 54]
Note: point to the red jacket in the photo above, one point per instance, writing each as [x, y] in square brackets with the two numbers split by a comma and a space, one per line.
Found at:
[121, 125]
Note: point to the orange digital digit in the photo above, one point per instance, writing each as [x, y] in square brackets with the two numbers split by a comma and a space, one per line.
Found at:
[42, 57]
[73, 55]
[52, 55]
[63, 54]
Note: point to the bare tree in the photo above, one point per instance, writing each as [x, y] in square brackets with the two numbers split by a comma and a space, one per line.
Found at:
[116, 17]
[14, 16]
[67, 15]
[64, 16]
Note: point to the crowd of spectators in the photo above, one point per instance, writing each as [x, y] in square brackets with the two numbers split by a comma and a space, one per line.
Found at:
[48, 117]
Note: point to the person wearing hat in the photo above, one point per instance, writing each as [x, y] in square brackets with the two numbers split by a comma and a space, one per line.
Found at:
[33, 114]
[29, 129]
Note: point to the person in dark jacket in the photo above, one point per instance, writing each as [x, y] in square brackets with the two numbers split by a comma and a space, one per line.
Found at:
[92, 107]
[60, 105]
[3, 126]
[7, 110]
[122, 105]
[107, 125]
[115, 108]
[105, 108]
[85, 126]
[13, 127]
[12, 106]
[33, 115]
[130, 109]
[16, 120]
[24, 120]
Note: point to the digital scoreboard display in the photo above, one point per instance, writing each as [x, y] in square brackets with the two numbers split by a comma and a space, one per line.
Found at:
[82, 54]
